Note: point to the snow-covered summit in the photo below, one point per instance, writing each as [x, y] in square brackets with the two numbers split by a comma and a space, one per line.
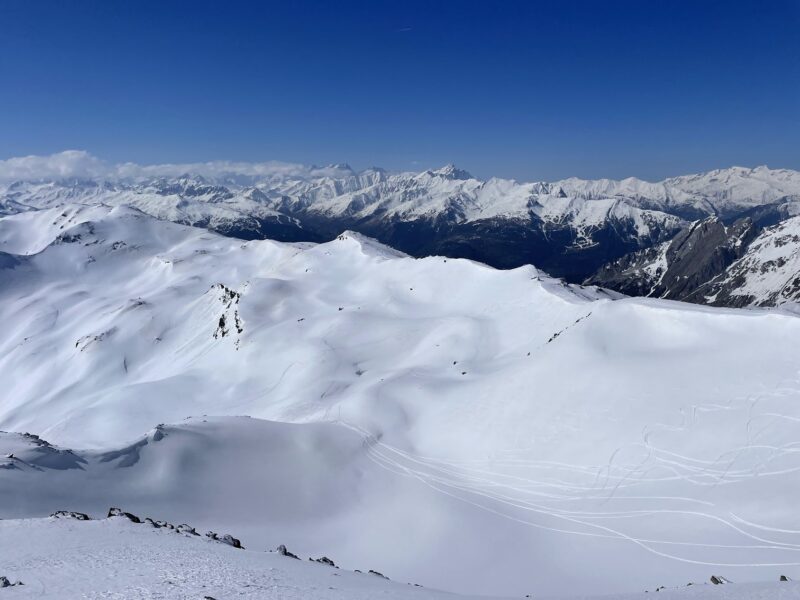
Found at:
[450, 171]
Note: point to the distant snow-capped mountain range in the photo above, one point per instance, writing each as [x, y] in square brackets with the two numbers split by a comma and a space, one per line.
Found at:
[615, 233]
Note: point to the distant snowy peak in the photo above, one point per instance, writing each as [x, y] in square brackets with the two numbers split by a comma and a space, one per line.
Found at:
[450, 171]
[720, 192]
[338, 190]
[568, 228]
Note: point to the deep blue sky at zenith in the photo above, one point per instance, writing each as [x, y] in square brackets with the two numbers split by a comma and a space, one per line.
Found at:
[531, 90]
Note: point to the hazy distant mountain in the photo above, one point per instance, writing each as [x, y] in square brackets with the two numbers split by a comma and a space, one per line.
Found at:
[573, 228]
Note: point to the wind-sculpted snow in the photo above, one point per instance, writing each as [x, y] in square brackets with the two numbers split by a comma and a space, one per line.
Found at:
[432, 419]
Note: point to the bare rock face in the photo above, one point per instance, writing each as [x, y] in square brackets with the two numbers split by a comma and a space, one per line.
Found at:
[767, 275]
[4, 582]
[680, 268]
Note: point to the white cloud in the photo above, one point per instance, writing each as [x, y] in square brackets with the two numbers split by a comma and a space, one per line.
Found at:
[81, 164]
[70, 163]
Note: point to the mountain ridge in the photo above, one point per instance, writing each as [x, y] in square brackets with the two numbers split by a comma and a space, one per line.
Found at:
[571, 228]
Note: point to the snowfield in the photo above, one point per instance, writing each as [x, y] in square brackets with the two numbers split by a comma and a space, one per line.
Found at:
[115, 558]
[437, 420]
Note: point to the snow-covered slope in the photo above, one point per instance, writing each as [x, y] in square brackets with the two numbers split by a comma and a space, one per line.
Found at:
[117, 558]
[64, 558]
[434, 419]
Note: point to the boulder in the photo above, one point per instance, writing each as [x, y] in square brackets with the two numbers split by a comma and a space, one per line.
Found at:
[187, 529]
[378, 574]
[284, 552]
[325, 561]
[4, 582]
[224, 539]
[118, 512]
[68, 514]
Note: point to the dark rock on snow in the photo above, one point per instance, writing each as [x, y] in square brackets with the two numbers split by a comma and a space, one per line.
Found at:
[681, 268]
[68, 514]
[225, 539]
[188, 529]
[284, 552]
[378, 574]
[118, 512]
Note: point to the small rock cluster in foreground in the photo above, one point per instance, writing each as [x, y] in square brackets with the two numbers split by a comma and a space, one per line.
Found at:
[714, 579]
[185, 529]
[4, 582]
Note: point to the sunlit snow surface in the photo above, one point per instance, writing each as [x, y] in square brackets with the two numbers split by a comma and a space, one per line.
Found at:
[442, 422]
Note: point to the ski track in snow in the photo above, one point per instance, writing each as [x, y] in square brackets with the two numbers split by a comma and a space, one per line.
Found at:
[508, 494]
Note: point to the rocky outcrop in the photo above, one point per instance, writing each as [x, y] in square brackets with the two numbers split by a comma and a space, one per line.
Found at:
[768, 274]
[68, 514]
[5, 582]
[325, 561]
[118, 512]
[284, 552]
[378, 574]
[677, 269]
[224, 539]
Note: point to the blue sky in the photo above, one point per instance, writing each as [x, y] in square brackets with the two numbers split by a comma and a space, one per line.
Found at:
[531, 90]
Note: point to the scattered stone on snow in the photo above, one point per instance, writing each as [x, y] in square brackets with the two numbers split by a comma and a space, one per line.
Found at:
[118, 512]
[69, 514]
